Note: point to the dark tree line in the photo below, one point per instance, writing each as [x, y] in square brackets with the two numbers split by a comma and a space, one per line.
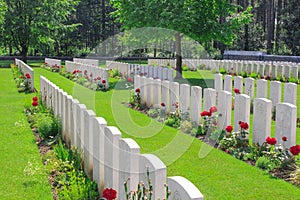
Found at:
[274, 28]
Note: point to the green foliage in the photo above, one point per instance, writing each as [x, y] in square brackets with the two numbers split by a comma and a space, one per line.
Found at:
[186, 126]
[222, 71]
[217, 135]
[264, 163]
[48, 127]
[115, 73]
[244, 74]
[185, 68]
[254, 75]
[293, 80]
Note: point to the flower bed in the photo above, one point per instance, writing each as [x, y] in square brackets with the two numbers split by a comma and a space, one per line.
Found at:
[23, 82]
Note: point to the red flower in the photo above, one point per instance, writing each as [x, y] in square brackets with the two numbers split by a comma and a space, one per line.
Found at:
[213, 109]
[227, 151]
[205, 113]
[129, 79]
[163, 104]
[284, 138]
[103, 81]
[244, 125]
[137, 90]
[109, 193]
[91, 75]
[271, 141]
[85, 72]
[229, 128]
[35, 98]
[35, 103]
[237, 91]
[99, 78]
[95, 79]
[21, 76]
[295, 150]
[27, 76]
[74, 72]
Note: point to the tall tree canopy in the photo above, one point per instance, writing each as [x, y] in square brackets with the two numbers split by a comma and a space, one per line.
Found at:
[202, 20]
[28, 23]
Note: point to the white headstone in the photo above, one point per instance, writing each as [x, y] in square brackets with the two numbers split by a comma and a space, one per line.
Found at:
[238, 83]
[185, 94]
[261, 88]
[157, 93]
[262, 114]
[165, 95]
[98, 152]
[129, 152]
[218, 82]
[209, 98]
[182, 188]
[241, 110]
[111, 157]
[275, 93]
[174, 95]
[286, 119]
[224, 109]
[196, 103]
[157, 174]
[249, 87]
[228, 83]
[290, 93]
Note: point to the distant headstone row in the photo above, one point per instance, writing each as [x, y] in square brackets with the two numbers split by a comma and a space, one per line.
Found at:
[108, 158]
[52, 62]
[88, 70]
[92, 62]
[247, 86]
[189, 101]
[25, 69]
[126, 69]
[271, 69]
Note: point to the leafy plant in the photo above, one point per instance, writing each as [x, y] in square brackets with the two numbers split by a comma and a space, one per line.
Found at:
[264, 163]
[186, 126]
[222, 71]
[254, 75]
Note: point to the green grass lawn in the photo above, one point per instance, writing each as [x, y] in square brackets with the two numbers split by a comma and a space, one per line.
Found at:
[216, 174]
[18, 147]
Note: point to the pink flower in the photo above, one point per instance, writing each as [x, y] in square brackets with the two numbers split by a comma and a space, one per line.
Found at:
[129, 79]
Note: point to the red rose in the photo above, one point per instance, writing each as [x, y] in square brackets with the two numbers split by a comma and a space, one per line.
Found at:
[103, 81]
[27, 76]
[129, 79]
[284, 138]
[227, 151]
[137, 90]
[163, 104]
[91, 75]
[85, 72]
[35, 98]
[99, 78]
[213, 109]
[109, 193]
[271, 141]
[229, 129]
[205, 113]
[295, 150]
[237, 91]
[244, 125]
[74, 72]
[35, 103]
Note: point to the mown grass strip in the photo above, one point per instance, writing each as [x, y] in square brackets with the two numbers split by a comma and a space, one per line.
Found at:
[18, 148]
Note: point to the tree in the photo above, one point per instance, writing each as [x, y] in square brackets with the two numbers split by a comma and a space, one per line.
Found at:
[28, 23]
[196, 19]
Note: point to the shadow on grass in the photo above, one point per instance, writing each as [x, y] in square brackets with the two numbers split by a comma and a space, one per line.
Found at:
[29, 184]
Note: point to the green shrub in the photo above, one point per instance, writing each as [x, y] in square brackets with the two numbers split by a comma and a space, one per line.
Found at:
[185, 68]
[293, 80]
[264, 163]
[244, 74]
[222, 71]
[48, 127]
[93, 86]
[115, 73]
[217, 135]
[254, 75]
[153, 113]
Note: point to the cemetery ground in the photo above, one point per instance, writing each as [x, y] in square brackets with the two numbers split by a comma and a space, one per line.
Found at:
[18, 149]
[217, 175]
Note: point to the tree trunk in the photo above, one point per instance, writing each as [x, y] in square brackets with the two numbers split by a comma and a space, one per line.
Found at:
[246, 47]
[278, 27]
[178, 55]
[270, 26]
[24, 54]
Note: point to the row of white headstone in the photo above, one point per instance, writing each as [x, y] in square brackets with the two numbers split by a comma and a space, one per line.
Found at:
[247, 86]
[108, 158]
[161, 73]
[25, 69]
[92, 72]
[189, 98]
[271, 69]
[53, 62]
[162, 62]
[92, 62]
